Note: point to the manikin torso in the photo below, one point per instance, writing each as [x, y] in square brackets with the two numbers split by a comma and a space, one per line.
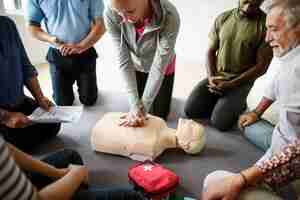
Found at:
[142, 143]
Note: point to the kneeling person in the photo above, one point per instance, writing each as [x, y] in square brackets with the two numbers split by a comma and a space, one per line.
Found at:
[236, 56]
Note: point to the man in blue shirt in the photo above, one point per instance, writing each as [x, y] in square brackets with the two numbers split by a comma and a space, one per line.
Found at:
[15, 72]
[72, 27]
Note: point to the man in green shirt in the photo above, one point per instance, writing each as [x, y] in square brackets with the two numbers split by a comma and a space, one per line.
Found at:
[236, 56]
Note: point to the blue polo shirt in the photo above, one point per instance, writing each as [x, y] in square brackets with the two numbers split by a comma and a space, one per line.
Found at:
[68, 20]
[15, 67]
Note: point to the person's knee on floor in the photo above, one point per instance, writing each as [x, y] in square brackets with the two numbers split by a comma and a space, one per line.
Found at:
[64, 100]
[72, 156]
[189, 111]
[88, 100]
[220, 123]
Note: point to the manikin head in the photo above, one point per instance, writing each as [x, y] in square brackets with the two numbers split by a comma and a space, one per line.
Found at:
[133, 11]
[190, 136]
[249, 8]
[283, 26]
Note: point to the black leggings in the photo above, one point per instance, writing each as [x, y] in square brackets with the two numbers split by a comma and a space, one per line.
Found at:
[162, 103]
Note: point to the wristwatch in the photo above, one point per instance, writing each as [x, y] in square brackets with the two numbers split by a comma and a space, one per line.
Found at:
[258, 115]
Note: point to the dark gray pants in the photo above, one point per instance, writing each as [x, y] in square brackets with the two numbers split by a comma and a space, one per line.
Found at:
[66, 70]
[162, 103]
[223, 111]
[63, 81]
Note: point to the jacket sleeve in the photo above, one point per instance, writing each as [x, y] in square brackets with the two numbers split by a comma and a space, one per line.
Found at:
[114, 28]
[164, 54]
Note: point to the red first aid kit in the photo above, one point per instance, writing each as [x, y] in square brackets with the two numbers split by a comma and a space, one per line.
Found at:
[154, 180]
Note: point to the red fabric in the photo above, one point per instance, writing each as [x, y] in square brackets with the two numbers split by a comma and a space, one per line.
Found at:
[153, 178]
[141, 27]
[170, 69]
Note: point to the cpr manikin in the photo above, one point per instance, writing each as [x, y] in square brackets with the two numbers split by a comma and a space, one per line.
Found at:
[147, 142]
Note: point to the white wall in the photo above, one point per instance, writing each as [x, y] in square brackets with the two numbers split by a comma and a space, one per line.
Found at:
[197, 17]
[1, 7]
[36, 50]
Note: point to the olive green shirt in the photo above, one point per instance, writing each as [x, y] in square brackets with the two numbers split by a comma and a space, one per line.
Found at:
[238, 40]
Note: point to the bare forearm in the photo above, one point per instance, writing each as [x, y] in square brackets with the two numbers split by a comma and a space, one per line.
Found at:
[263, 60]
[34, 87]
[263, 105]
[250, 75]
[62, 189]
[211, 63]
[27, 163]
[97, 31]
[253, 175]
[38, 33]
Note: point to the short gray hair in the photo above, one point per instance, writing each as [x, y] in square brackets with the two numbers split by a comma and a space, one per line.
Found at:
[290, 10]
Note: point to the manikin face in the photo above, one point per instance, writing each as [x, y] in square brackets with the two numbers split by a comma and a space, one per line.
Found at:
[190, 136]
[133, 11]
[249, 7]
[280, 35]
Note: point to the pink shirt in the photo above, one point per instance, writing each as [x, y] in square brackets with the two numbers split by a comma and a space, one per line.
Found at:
[170, 69]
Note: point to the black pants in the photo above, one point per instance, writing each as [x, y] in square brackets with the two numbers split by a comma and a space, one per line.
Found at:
[29, 137]
[223, 111]
[62, 159]
[162, 103]
[66, 70]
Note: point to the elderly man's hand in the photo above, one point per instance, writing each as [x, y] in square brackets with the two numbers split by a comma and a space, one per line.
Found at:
[247, 119]
[228, 188]
[16, 120]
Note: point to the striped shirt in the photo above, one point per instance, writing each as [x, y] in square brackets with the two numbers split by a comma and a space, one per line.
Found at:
[14, 185]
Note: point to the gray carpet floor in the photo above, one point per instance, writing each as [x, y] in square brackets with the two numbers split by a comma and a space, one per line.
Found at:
[223, 150]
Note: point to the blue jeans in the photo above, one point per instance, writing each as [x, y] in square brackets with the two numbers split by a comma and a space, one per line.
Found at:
[260, 134]
[62, 159]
